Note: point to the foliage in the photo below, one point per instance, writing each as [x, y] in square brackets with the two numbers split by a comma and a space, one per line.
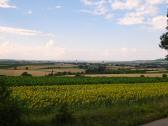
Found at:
[43, 81]
[164, 40]
[164, 75]
[10, 113]
[64, 73]
[77, 75]
[63, 117]
[142, 76]
[102, 70]
[26, 74]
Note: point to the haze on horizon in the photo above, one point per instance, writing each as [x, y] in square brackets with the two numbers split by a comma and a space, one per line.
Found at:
[113, 30]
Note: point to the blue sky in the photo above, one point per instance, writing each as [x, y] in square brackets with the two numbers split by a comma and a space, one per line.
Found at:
[82, 29]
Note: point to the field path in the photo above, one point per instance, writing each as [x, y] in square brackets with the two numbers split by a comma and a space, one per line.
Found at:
[161, 122]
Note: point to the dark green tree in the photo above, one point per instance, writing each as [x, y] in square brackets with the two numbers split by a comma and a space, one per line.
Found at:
[164, 39]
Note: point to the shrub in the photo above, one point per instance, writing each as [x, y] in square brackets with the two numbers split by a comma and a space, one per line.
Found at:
[164, 75]
[10, 112]
[77, 74]
[142, 76]
[26, 74]
[64, 116]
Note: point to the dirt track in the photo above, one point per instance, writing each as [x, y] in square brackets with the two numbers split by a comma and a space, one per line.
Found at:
[161, 122]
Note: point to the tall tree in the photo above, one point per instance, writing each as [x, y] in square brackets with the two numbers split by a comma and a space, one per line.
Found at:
[164, 39]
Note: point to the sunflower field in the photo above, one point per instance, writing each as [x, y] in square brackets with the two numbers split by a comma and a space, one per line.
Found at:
[87, 96]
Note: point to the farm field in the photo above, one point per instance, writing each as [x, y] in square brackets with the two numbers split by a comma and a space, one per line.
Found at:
[38, 69]
[125, 75]
[89, 94]
[84, 69]
[84, 96]
[47, 81]
[44, 72]
[133, 104]
[83, 63]
[38, 72]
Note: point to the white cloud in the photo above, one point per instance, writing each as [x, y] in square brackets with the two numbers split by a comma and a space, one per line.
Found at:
[131, 20]
[114, 54]
[21, 31]
[127, 12]
[88, 2]
[129, 4]
[158, 22]
[139, 16]
[101, 8]
[49, 50]
[157, 1]
[6, 4]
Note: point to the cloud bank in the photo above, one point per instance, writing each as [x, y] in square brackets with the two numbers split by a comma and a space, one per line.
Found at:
[6, 4]
[21, 31]
[129, 12]
[49, 50]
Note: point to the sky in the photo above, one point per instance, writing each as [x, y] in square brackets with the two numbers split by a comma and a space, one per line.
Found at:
[113, 30]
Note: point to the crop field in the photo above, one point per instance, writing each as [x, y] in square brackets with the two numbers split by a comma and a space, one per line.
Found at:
[43, 66]
[92, 105]
[38, 69]
[88, 96]
[46, 81]
[44, 72]
[103, 101]
[126, 75]
[38, 72]
[88, 70]
[124, 98]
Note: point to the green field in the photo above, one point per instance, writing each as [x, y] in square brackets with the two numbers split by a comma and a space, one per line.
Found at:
[88, 96]
[92, 105]
[92, 101]
[43, 81]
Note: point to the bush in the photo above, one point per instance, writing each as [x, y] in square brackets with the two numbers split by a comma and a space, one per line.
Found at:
[26, 74]
[164, 75]
[78, 75]
[10, 112]
[142, 76]
[64, 117]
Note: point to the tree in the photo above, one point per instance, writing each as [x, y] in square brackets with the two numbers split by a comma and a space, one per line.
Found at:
[26, 74]
[164, 39]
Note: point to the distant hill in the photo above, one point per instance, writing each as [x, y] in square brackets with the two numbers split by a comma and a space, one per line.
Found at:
[11, 61]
